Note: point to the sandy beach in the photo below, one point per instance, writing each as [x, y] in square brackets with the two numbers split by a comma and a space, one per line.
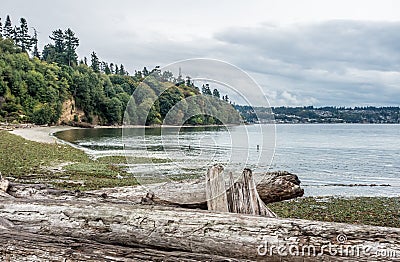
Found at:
[41, 134]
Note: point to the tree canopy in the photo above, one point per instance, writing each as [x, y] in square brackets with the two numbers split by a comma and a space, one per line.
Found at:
[35, 85]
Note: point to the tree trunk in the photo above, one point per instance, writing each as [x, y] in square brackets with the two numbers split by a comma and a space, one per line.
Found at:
[183, 230]
[276, 186]
[240, 197]
[215, 190]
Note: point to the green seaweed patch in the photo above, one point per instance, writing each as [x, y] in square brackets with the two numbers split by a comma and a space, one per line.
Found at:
[377, 211]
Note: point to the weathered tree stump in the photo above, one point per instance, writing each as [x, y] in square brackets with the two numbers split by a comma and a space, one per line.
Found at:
[243, 196]
[240, 197]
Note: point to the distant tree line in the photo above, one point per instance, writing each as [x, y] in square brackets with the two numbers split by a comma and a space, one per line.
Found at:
[328, 114]
[34, 84]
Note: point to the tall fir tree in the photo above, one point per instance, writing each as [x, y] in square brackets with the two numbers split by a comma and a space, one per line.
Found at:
[15, 36]
[58, 37]
[71, 43]
[122, 70]
[24, 40]
[216, 93]
[95, 62]
[35, 52]
[57, 50]
[145, 72]
[8, 30]
[106, 68]
[1, 28]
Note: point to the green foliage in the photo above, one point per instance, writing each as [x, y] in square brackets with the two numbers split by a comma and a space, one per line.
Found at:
[8, 31]
[95, 62]
[29, 86]
[35, 90]
[22, 37]
[44, 114]
[71, 43]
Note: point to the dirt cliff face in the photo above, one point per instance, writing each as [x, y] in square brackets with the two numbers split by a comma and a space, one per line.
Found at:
[69, 111]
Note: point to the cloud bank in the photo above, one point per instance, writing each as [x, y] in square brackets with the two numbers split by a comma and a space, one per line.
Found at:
[343, 62]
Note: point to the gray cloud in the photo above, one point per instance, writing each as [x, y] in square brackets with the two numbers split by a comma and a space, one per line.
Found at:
[344, 63]
[334, 62]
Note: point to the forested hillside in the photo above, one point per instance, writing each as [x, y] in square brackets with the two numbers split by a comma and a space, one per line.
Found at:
[53, 85]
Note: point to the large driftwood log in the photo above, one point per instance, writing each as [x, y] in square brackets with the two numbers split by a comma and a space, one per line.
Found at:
[199, 232]
[22, 246]
[275, 186]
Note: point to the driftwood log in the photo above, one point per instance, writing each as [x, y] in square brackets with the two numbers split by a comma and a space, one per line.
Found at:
[274, 187]
[112, 231]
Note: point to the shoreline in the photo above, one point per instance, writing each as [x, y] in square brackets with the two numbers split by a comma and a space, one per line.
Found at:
[45, 134]
[41, 134]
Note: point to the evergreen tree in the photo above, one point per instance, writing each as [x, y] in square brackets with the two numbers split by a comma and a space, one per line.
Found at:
[58, 38]
[71, 42]
[145, 72]
[138, 75]
[116, 70]
[57, 50]
[49, 53]
[189, 81]
[216, 93]
[122, 70]
[107, 70]
[167, 76]
[15, 36]
[35, 44]
[1, 28]
[206, 90]
[225, 98]
[8, 31]
[95, 62]
[112, 68]
[23, 39]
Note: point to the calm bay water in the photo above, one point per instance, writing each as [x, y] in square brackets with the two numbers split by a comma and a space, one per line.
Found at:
[340, 159]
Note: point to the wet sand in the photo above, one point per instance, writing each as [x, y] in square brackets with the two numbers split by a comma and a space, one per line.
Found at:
[41, 134]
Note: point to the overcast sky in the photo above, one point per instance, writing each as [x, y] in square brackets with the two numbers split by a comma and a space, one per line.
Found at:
[309, 52]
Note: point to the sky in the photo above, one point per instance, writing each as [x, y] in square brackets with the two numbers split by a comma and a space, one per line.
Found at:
[309, 52]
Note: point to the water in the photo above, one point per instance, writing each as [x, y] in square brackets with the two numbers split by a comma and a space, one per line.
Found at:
[340, 159]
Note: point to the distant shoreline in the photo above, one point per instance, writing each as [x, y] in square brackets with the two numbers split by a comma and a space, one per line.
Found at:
[45, 134]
